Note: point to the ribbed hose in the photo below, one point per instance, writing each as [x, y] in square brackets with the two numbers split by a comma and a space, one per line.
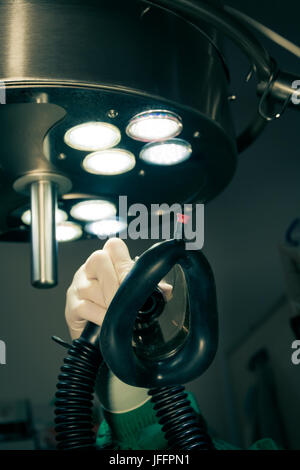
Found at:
[74, 397]
[180, 423]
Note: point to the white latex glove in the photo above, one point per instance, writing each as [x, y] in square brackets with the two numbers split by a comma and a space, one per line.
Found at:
[95, 284]
[93, 288]
[115, 396]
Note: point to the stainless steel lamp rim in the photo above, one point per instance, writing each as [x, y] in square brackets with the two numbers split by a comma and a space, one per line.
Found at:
[32, 83]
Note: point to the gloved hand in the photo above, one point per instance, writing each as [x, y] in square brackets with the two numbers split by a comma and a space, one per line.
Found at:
[93, 288]
[95, 284]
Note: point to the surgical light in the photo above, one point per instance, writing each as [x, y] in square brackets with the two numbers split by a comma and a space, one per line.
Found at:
[68, 231]
[154, 125]
[93, 210]
[169, 152]
[60, 216]
[106, 228]
[109, 162]
[102, 93]
[93, 136]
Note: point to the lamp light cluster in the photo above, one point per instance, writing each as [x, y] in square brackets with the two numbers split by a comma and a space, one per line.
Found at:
[95, 216]
[109, 162]
[157, 129]
[91, 136]
[168, 152]
[153, 126]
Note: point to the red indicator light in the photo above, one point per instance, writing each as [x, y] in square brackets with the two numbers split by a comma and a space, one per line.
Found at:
[183, 219]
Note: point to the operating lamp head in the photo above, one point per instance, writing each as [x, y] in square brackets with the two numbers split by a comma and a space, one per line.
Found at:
[94, 128]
